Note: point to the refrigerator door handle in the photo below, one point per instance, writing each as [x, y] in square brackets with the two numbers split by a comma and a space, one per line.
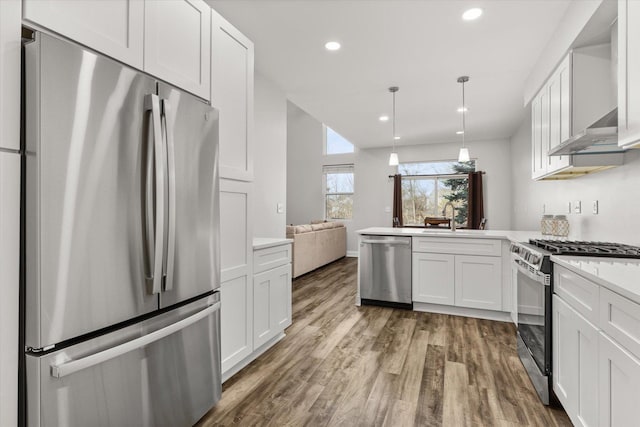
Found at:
[64, 369]
[171, 169]
[155, 195]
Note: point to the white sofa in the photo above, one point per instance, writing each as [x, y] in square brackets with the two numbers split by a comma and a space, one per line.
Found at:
[316, 244]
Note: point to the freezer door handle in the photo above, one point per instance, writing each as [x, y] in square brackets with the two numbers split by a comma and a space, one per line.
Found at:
[154, 199]
[64, 369]
[171, 169]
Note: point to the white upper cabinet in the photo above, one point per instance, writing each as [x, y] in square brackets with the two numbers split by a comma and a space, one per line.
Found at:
[577, 94]
[628, 73]
[177, 43]
[169, 39]
[113, 27]
[232, 94]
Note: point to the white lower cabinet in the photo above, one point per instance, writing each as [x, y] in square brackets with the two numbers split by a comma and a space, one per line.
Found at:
[271, 303]
[471, 281]
[619, 385]
[575, 364]
[433, 278]
[478, 282]
[596, 352]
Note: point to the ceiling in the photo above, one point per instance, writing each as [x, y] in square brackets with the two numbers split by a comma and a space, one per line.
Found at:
[422, 46]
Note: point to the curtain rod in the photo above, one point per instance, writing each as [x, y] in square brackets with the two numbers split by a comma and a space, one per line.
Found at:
[442, 174]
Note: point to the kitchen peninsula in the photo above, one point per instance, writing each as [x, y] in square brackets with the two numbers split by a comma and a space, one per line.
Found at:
[463, 272]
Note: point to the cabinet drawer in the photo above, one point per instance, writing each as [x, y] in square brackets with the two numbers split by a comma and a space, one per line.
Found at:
[456, 245]
[620, 319]
[268, 258]
[580, 293]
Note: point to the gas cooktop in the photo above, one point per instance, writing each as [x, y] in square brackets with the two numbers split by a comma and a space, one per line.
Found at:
[598, 249]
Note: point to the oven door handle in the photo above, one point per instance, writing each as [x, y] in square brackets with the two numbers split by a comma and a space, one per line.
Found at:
[538, 276]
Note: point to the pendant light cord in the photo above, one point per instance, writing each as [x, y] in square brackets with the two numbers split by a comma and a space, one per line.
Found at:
[464, 108]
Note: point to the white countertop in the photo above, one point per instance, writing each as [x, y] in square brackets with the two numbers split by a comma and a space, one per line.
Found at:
[617, 274]
[512, 235]
[267, 242]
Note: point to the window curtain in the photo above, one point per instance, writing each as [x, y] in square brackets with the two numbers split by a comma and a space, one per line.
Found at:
[475, 202]
[397, 200]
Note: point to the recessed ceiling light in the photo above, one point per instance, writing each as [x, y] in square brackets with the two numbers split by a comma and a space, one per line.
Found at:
[396, 137]
[332, 45]
[472, 14]
[383, 118]
[465, 109]
[460, 132]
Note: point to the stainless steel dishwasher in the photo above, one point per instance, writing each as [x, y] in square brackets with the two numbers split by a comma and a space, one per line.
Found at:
[384, 271]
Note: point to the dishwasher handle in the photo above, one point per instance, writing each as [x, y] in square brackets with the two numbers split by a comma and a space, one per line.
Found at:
[386, 242]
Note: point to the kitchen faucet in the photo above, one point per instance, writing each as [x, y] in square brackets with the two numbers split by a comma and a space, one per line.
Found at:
[453, 215]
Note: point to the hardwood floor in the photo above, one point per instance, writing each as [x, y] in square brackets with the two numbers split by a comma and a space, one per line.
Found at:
[342, 365]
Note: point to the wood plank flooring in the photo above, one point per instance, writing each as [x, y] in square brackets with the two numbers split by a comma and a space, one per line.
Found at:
[342, 365]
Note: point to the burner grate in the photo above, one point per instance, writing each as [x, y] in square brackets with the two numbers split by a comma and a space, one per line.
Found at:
[602, 249]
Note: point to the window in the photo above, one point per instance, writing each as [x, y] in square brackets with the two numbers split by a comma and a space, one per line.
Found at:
[338, 191]
[428, 186]
[335, 143]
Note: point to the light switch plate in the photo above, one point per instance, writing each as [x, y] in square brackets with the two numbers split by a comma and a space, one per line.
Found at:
[387, 209]
[280, 208]
[595, 207]
[569, 208]
[577, 207]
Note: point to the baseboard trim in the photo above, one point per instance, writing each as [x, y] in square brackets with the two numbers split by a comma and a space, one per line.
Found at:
[250, 358]
[352, 254]
[501, 316]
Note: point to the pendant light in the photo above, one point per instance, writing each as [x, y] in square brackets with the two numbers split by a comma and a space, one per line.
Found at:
[463, 156]
[393, 157]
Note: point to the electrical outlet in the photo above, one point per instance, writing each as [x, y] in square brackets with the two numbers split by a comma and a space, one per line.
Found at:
[577, 207]
[595, 207]
[280, 208]
[387, 209]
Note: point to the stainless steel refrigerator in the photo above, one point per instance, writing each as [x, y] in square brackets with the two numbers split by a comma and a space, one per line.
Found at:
[121, 252]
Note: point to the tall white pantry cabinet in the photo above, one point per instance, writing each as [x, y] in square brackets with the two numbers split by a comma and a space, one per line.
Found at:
[232, 93]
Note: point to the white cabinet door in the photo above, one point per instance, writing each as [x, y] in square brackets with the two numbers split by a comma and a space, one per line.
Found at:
[478, 282]
[236, 321]
[514, 292]
[433, 278]
[575, 364]
[232, 94]
[112, 27]
[559, 112]
[177, 37]
[619, 381]
[628, 72]
[236, 261]
[537, 161]
[271, 303]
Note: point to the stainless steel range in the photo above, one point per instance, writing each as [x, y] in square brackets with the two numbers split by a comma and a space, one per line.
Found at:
[534, 291]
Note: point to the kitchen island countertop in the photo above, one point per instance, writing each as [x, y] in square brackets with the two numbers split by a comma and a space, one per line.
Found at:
[512, 235]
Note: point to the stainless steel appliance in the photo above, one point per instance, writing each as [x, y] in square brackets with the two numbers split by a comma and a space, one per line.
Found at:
[384, 271]
[534, 295]
[121, 319]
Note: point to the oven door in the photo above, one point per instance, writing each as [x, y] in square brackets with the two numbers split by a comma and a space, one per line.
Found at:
[534, 313]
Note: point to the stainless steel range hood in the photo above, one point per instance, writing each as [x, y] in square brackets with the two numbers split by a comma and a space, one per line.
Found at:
[599, 138]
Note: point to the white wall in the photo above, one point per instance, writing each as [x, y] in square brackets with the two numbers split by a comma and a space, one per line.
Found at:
[617, 191]
[373, 189]
[270, 158]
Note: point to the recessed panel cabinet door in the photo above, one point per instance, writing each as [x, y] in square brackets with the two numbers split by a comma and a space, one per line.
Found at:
[478, 282]
[112, 27]
[232, 94]
[272, 303]
[575, 364]
[433, 278]
[177, 37]
[628, 72]
[619, 379]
